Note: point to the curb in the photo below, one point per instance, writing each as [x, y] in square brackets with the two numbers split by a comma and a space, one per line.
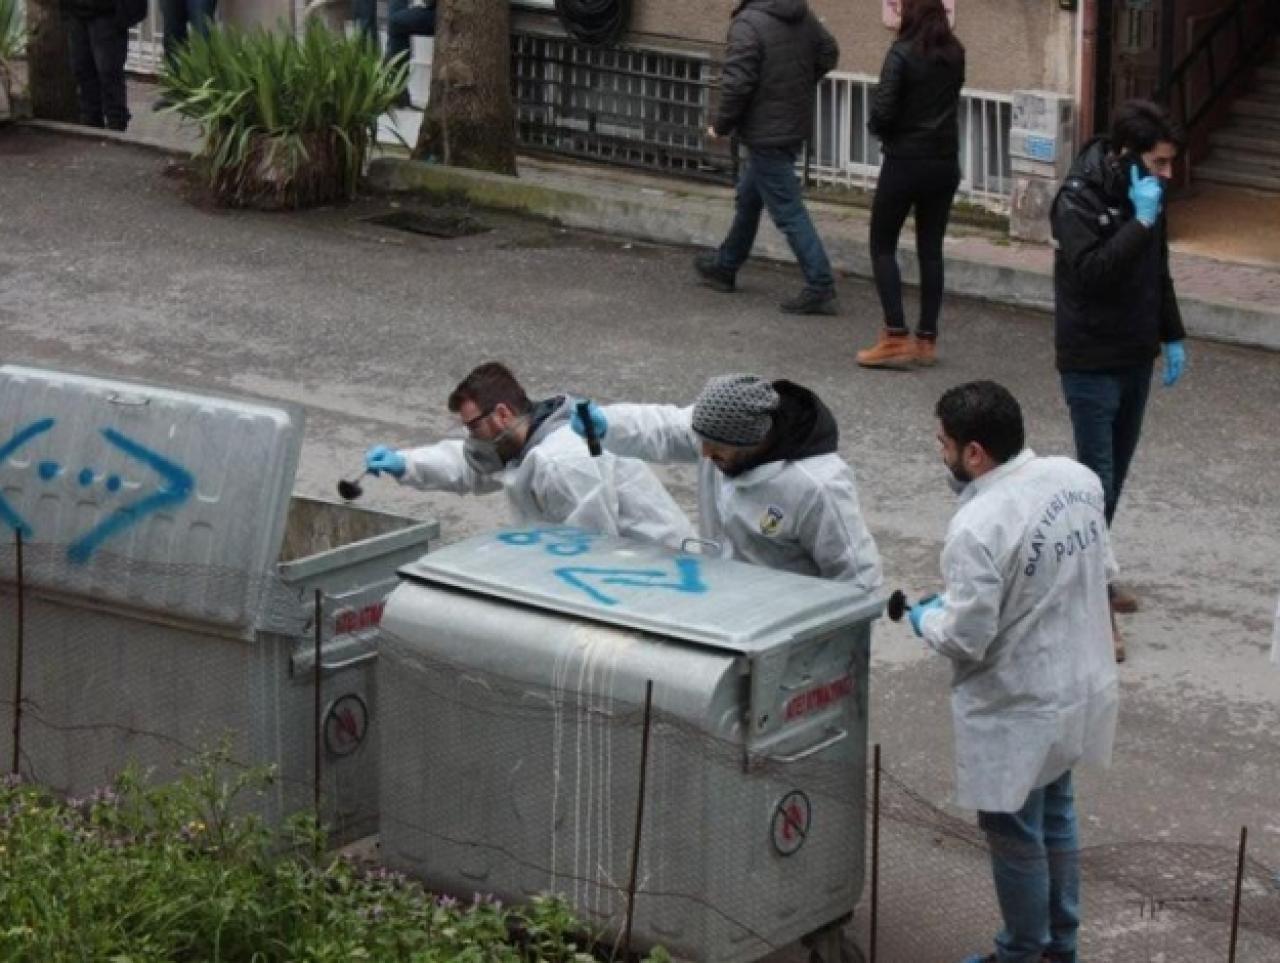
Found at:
[114, 136]
[652, 214]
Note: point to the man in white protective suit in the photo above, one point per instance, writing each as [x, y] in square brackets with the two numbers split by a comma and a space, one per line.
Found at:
[772, 487]
[1025, 620]
[525, 449]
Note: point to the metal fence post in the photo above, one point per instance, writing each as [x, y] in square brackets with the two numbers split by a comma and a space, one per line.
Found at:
[1235, 902]
[21, 639]
[875, 854]
[318, 722]
[635, 848]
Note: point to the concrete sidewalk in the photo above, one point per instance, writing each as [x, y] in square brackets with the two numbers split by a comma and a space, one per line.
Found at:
[1221, 300]
[1235, 301]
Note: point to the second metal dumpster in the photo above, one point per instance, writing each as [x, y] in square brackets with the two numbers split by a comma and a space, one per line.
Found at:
[510, 673]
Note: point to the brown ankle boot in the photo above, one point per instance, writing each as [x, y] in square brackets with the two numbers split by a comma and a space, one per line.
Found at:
[893, 350]
[926, 351]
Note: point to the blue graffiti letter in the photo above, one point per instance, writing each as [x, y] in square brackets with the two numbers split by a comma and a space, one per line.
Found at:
[688, 579]
[177, 490]
[7, 514]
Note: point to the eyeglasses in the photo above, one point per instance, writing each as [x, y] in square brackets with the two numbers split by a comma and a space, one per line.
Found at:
[470, 426]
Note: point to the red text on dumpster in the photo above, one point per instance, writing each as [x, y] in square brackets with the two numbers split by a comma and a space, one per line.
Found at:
[353, 620]
[818, 697]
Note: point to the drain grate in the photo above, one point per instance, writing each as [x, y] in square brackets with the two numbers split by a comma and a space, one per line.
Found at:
[445, 225]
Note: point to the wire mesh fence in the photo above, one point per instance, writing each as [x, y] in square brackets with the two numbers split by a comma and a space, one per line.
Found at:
[509, 780]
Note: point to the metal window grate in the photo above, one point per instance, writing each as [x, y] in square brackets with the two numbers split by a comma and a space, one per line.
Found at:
[625, 105]
[845, 153]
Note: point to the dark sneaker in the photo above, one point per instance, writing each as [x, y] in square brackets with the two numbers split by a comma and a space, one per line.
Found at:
[810, 301]
[713, 275]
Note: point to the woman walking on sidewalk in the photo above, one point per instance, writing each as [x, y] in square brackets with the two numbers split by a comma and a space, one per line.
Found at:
[915, 115]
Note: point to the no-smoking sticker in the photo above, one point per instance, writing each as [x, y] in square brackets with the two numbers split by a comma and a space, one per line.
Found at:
[791, 821]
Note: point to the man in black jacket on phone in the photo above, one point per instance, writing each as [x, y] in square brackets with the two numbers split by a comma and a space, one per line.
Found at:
[778, 51]
[1115, 310]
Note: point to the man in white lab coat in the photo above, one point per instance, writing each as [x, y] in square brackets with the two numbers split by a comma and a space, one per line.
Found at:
[526, 450]
[1026, 622]
[772, 487]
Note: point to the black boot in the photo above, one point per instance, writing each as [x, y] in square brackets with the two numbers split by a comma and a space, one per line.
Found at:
[811, 301]
[713, 275]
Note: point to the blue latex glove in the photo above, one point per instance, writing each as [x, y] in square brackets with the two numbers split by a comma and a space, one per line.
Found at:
[1175, 361]
[917, 611]
[598, 419]
[380, 458]
[1145, 193]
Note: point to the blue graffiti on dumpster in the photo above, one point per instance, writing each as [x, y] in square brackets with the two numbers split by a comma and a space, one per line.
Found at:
[176, 486]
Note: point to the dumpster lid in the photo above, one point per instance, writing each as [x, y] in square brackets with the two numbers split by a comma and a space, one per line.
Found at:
[729, 605]
[150, 497]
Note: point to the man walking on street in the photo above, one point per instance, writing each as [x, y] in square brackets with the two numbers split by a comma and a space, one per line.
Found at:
[1114, 303]
[772, 487]
[777, 53]
[1024, 620]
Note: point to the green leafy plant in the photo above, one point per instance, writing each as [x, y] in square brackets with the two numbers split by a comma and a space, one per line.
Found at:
[286, 121]
[13, 41]
[13, 34]
[184, 872]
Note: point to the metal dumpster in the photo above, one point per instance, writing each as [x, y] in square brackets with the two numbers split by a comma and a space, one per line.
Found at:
[511, 669]
[169, 592]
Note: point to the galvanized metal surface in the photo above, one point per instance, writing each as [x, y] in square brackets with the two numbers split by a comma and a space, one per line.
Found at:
[745, 609]
[150, 489]
[511, 740]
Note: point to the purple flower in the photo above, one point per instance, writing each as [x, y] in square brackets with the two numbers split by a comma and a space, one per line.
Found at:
[446, 902]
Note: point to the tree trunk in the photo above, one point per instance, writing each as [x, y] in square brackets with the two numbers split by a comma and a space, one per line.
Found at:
[49, 82]
[470, 118]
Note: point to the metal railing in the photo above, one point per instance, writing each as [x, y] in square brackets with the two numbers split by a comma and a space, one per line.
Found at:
[1250, 26]
[845, 153]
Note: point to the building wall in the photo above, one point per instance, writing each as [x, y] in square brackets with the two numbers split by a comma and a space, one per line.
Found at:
[1012, 44]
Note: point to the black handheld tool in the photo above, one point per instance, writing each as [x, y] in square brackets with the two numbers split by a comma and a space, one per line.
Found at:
[898, 604]
[349, 489]
[593, 442]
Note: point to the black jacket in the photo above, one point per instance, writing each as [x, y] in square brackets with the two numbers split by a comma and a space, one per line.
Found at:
[1113, 298]
[778, 51]
[916, 106]
[803, 427]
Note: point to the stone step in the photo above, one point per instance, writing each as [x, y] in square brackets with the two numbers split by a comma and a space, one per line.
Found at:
[1215, 174]
[1245, 161]
[1254, 107]
[1252, 140]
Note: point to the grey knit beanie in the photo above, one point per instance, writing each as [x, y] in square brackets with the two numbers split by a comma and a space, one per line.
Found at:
[735, 410]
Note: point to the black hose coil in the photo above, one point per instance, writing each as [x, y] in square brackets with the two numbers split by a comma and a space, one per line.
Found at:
[596, 23]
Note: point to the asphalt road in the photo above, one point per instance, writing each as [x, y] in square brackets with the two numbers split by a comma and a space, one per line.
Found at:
[106, 267]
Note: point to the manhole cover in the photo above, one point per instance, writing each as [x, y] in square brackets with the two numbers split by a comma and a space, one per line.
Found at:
[432, 225]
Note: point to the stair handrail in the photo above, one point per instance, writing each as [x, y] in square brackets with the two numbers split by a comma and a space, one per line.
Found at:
[1245, 57]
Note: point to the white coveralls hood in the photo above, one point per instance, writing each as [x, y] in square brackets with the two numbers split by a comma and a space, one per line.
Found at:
[1026, 622]
[556, 481]
[797, 515]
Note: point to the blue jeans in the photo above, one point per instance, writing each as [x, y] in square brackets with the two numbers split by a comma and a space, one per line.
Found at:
[403, 23]
[769, 180]
[1106, 418]
[180, 16]
[1035, 860]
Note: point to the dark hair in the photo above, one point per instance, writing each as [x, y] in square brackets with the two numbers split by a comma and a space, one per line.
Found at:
[925, 24]
[985, 412]
[487, 386]
[1140, 124]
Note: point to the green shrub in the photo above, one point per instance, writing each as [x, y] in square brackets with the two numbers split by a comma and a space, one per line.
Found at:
[13, 36]
[144, 874]
[286, 122]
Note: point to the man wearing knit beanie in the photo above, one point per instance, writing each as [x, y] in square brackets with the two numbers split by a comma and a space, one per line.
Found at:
[772, 487]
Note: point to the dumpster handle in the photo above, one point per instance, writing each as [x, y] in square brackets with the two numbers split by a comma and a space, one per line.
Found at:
[137, 401]
[348, 663]
[709, 542]
[813, 750]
